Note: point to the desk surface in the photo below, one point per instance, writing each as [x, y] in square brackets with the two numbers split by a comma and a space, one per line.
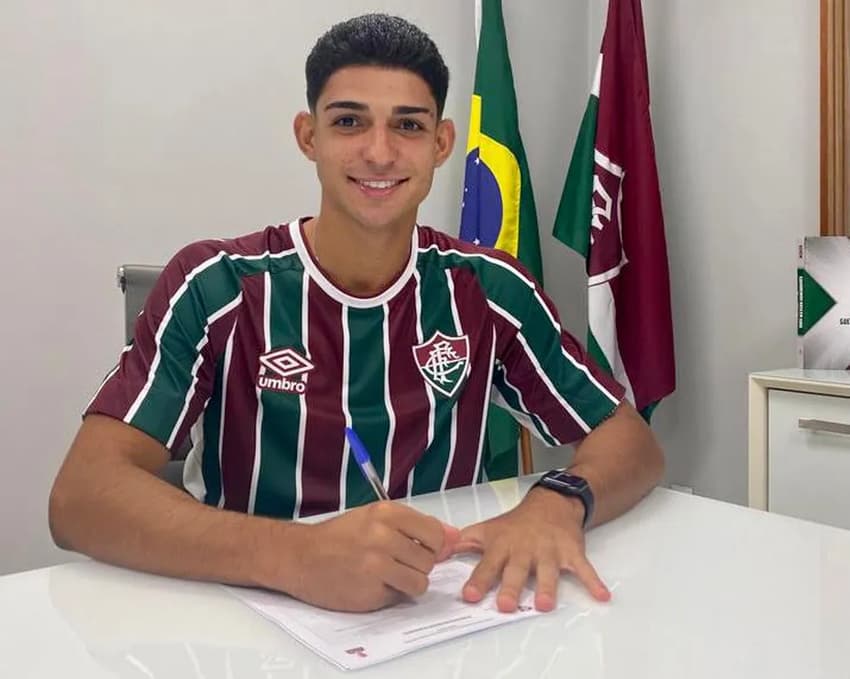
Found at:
[702, 589]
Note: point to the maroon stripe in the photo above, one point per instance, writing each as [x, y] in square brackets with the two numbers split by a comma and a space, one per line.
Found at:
[408, 397]
[522, 374]
[240, 407]
[324, 435]
[478, 327]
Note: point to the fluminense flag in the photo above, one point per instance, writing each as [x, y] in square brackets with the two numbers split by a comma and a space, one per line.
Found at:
[610, 213]
[498, 204]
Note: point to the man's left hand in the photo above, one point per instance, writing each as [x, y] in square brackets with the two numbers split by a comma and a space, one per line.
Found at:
[543, 536]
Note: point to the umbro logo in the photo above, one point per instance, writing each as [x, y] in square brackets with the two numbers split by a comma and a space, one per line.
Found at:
[279, 367]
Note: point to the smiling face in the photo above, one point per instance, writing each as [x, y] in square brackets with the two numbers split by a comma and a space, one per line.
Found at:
[376, 140]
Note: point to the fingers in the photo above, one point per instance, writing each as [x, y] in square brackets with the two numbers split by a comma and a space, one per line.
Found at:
[514, 577]
[409, 553]
[484, 576]
[451, 537]
[588, 577]
[548, 577]
[426, 530]
[406, 580]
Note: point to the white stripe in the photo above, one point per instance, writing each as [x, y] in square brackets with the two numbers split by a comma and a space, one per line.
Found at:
[477, 23]
[530, 283]
[302, 398]
[431, 405]
[193, 473]
[514, 322]
[228, 353]
[483, 428]
[198, 361]
[338, 295]
[166, 319]
[597, 77]
[388, 404]
[551, 387]
[524, 414]
[458, 332]
[258, 426]
[601, 318]
[109, 376]
[346, 452]
[504, 314]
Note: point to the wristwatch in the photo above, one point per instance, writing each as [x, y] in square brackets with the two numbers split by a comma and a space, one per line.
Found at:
[569, 485]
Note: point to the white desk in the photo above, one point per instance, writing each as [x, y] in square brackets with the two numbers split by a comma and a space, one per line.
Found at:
[706, 590]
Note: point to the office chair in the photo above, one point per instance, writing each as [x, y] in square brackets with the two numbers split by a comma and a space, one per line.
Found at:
[136, 282]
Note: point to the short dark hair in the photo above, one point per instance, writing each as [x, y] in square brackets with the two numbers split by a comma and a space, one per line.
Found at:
[376, 40]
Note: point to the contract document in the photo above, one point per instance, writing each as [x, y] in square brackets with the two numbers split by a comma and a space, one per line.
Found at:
[355, 640]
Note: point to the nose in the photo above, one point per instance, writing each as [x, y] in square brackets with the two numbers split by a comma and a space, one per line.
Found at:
[379, 148]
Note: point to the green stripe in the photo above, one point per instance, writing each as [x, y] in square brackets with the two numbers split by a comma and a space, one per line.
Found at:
[369, 417]
[436, 315]
[212, 422]
[279, 436]
[572, 222]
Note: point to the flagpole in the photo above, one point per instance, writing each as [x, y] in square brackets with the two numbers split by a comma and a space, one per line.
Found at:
[525, 449]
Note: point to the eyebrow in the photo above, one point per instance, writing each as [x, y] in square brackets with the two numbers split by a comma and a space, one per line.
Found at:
[397, 110]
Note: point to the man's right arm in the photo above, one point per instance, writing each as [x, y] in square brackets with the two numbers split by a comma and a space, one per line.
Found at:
[108, 503]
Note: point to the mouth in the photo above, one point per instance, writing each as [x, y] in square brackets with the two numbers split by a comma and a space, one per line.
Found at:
[377, 188]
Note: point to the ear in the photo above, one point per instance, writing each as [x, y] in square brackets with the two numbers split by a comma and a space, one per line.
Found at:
[304, 127]
[445, 140]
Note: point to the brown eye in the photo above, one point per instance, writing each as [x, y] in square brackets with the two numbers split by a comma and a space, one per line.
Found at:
[410, 125]
[346, 121]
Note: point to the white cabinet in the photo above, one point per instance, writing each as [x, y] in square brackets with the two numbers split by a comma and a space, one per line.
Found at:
[799, 444]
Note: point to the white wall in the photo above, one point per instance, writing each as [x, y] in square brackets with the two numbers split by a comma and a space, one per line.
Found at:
[128, 129]
[735, 113]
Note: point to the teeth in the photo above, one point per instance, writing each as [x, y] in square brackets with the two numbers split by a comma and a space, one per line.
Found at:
[379, 185]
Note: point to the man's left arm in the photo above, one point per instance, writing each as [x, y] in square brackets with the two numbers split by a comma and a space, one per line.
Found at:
[567, 398]
[544, 534]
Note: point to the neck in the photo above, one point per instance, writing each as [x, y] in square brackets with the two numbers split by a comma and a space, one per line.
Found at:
[361, 260]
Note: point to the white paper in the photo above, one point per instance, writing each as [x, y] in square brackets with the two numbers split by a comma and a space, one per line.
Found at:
[355, 640]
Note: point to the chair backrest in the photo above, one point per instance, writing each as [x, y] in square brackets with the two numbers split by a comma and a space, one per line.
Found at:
[136, 282]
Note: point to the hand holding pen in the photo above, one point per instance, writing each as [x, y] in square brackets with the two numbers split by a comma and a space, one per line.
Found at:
[368, 557]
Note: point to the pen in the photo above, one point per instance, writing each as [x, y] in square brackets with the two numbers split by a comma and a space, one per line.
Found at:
[365, 464]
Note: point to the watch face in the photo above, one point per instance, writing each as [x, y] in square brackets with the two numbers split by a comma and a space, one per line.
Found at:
[567, 481]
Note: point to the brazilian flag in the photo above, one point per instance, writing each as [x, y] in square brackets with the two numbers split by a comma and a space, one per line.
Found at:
[498, 204]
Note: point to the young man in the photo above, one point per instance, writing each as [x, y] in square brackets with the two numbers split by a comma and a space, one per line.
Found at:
[266, 347]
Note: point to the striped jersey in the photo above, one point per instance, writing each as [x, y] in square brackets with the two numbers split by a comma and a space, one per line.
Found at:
[248, 348]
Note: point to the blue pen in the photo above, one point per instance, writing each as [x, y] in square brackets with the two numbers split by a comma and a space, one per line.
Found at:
[365, 464]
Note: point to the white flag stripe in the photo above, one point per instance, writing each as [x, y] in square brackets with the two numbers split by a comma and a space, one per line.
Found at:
[601, 317]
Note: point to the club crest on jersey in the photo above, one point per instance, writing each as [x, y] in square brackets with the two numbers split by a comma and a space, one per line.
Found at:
[443, 362]
[284, 370]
